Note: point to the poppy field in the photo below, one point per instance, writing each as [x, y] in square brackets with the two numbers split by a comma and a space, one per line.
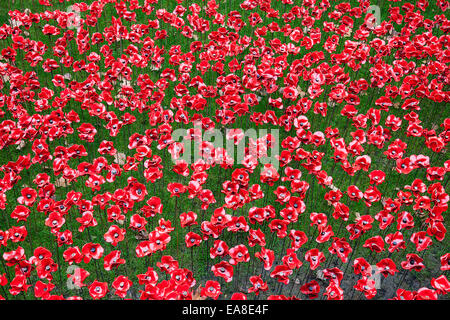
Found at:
[224, 149]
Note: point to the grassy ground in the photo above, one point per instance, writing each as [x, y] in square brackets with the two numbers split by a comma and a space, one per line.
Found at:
[431, 113]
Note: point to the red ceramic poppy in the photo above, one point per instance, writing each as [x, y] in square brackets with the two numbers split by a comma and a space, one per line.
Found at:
[386, 267]
[315, 258]
[367, 287]
[98, 290]
[441, 284]
[112, 260]
[258, 285]
[413, 262]
[121, 285]
[334, 292]
[211, 289]
[224, 270]
[114, 235]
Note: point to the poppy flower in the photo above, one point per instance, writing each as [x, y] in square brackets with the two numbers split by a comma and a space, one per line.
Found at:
[298, 239]
[325, 233]
[421, 241]
[18, 284]
[137, 190]
[86, 220]
[279, 226]
[386, 267]
[377, 177]
[269, 174]
[238, 296]
[341, 211]
[375, 244]
[188, 219]
[164, 226]
[341, 248]
[384, 218]
[121, 285]
[17, 234]
[413, 262]
[354, 193]
[361, 266]
[211, 289]
[98, 290]
[112, 260]
[137, 222]
[441, 284]
[20, 213]
[333, 196]
[87, 131]
[391, 205]
[192, 239]
[291, 260]
[238, 253]
[365, 222]
[258, 285]
[158, 240]
[149, 277]
[92, 251]
[371, 195]
[281, 273]
[266, 256]
[395, 241]
[256, 215]
[72, 255]
[334, 292]
[114, 235]
[366, 286]
[299, 186]
[14, 256]
[256, 237]
[311, 289]
[167, 264]
[283, 195]
[45, 268]
[28, 197]
[403, 294]
[224, 270]
[318, 219]
[314, 257]
[114, 213]
[176, 189]
[236, 224]
[220, 248]
[154, 206]
[64, 238]
[255, 192]
[404, 166]
[405, 220]
[421, 203]
[3, 238]
[42, 290]
[426, 294]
